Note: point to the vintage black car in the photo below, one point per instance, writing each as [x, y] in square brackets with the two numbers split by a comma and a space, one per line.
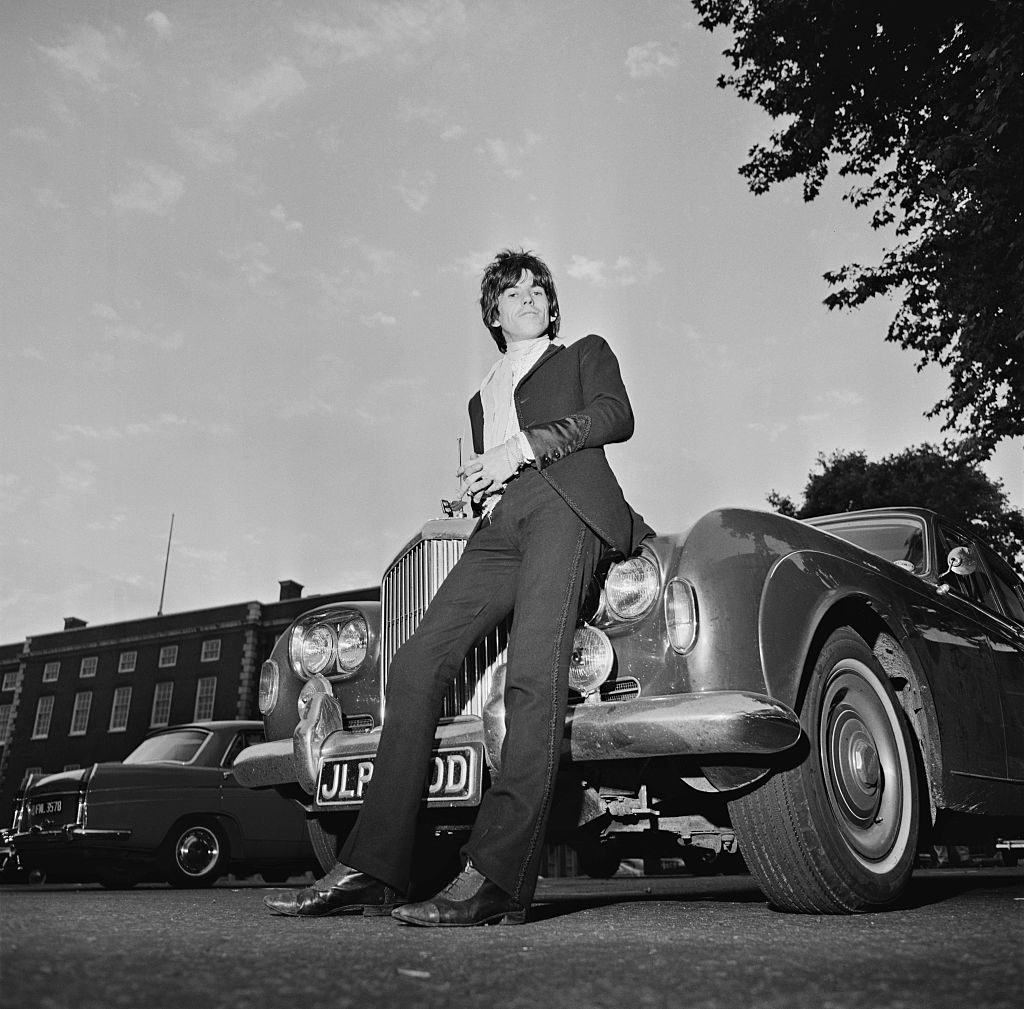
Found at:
[829, 695]
[171, 810]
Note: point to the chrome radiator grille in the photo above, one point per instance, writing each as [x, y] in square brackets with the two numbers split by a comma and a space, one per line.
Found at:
[408, 586]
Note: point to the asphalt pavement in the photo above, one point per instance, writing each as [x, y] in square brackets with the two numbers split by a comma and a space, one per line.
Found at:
[696, 943]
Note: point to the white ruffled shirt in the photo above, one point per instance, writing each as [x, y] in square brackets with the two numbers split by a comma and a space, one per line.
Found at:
[501, 421]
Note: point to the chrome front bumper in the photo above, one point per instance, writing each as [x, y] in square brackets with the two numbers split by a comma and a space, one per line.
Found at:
[716, 723]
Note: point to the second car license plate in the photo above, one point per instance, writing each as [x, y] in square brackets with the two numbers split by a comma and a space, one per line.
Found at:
[454, 778]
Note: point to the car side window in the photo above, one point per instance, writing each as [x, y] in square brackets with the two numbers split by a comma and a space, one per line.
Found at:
[976, 587]
[1008, 587]
[240, 742]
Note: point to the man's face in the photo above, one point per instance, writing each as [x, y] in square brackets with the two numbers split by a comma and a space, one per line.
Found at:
[523, 311]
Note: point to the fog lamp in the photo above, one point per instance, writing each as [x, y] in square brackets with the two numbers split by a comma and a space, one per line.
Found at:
[592, 658]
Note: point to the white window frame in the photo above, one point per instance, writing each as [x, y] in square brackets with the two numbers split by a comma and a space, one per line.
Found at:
[6, 710]
[122, 700]
[51, 672]
[44, 715]
[80, 712]
[206, 686]
[168, 657]
[211, 650]
[87, 670]
[162, 704]
[11, 681]
[127, 661]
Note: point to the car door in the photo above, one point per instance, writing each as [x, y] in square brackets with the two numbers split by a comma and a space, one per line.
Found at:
[272, 827]
[1008, 656]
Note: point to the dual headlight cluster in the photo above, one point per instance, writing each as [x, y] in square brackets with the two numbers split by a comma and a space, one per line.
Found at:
[334, 645]
[632, 589]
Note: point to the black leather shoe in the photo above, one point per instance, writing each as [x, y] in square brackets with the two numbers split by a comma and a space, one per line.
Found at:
[341, 891]
[469, 899]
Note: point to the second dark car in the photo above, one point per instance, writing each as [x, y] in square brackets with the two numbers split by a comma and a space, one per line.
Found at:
[171, 810]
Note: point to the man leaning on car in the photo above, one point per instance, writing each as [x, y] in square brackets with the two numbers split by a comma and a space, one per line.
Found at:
[549, 508]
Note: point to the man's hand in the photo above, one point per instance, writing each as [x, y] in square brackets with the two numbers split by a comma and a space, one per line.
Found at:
[488, 473]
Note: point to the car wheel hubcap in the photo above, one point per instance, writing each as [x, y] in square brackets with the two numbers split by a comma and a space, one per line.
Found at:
[864, 765]
[197, 851]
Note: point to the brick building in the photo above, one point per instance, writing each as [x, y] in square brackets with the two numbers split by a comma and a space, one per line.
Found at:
[88, 694]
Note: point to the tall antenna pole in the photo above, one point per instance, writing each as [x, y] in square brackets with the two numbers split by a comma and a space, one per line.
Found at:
[167, 560]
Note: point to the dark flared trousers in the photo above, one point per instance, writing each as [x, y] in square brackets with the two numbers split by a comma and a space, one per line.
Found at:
[534, 557]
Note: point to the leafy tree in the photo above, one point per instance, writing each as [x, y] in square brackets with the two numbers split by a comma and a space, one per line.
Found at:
[922, 102]
[927, 475]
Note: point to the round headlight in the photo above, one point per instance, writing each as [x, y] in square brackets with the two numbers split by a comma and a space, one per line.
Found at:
[353, 641]
[312, 649]
[270, 680]
[631, 587]
[681, 614]
[591, 661]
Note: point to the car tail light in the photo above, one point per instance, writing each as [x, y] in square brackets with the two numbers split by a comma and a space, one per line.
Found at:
[681, 614]
[591, 661]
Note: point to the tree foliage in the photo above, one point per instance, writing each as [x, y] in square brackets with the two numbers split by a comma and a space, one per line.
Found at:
[925, 475]
[922, 103]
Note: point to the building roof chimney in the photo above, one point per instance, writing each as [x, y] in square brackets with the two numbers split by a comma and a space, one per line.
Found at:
[289, 590]
[73, 623]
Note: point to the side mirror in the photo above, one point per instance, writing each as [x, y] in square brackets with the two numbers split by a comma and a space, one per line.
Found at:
[961, 561]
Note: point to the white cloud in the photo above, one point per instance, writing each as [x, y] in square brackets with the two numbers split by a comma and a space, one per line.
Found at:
[253, 263]
[154, 190]
[262, 92]
[624, 272]
[92, 57]
[381, 27]
[653, 59]
[379, 319]
[121, 432]
[160, 23]
[278, 214]
[48, 199]
[206, 147]
[81, 477]
[416, 190]
[508, 157]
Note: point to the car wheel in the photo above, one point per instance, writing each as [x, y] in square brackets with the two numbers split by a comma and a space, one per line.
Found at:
[274, 876]
[326, 835]
[599, 859]
[838, 833]
[195, 854]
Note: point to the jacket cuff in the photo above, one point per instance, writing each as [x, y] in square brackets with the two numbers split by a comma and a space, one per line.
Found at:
[550, 441]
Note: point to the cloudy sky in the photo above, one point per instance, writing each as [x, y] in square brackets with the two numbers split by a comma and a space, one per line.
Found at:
[239, 270]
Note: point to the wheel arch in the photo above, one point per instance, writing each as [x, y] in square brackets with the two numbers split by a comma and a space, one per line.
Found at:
[833, 593]
[228, 824]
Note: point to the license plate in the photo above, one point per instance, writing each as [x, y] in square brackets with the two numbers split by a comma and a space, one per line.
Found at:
[47, 808]
[454, 778]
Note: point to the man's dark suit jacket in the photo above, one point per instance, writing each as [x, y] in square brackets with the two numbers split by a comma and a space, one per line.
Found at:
[571, 404]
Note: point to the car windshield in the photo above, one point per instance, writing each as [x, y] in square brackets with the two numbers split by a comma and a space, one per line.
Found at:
[895, 539]
[169, 747]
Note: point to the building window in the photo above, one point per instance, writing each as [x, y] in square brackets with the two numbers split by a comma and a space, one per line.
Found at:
[162, 703]
[206, 690]
[88, 667]
[72, 767]
[10, 681]
[126, 663]
[5, 722]
[168, 656]
[50, 672]
[119, 709]
[80, 715]
[211, 650]
[44, 712]
[30, 773]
